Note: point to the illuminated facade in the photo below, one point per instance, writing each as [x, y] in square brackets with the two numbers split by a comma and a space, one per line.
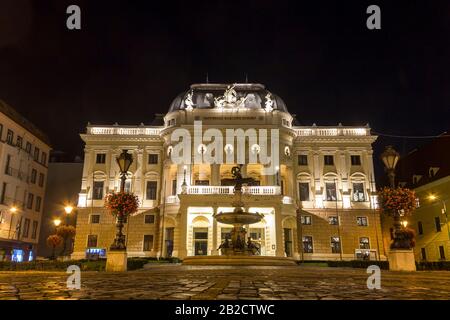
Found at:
[318, 203]
[24, 153]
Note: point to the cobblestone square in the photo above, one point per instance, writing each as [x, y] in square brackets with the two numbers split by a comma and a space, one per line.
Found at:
[178, 282]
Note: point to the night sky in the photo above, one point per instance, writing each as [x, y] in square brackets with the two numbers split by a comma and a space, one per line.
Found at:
[130, 59]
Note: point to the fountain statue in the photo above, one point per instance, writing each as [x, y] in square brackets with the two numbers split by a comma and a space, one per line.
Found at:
[236, 243]
[237, 248]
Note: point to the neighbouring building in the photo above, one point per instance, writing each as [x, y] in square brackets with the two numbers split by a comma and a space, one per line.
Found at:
[63, 186]
[427, 171]
[318, 204]
[24, 153]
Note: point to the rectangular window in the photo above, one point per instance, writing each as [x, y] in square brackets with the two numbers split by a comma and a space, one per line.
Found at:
[34, 231]
[10, 137]
[306, 220]
[36, 154]
[148, 242]
[100, 158]
[28, 148]
[441, 253]
[149, 218]
[330, 189]
[335, 245]
[174, 187]
[95, 218]
[437, 223]
[362, 221]
[420, 227]
[33, 176]
[44, 158]
[151, 190]
[30, 201]
[364, 243]
[38, 203]
[152, 158]
[307, 244]
[424, 253]
[26, 228]
[333, 220]
[19, 141]
[92, 241]
[8, 170]
[355, 160]
[3, 193]
[329, 160]
[358, 192]
[41, 179]
[98, 190]
[201, 182]
[303, 188]
[302, 160]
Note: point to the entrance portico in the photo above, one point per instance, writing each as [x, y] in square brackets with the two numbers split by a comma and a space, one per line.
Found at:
[203, 234]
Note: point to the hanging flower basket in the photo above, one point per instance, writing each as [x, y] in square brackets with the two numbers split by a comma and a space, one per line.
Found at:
[121, 203]
[397, 200]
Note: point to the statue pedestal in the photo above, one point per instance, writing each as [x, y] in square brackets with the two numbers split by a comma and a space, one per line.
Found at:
[401, 260]
[116, 261]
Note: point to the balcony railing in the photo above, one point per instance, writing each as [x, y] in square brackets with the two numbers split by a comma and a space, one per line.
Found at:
[116, 130]
[254, 190]
[330, 132]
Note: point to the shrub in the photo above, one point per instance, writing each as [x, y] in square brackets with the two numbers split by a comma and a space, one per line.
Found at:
[433, 265]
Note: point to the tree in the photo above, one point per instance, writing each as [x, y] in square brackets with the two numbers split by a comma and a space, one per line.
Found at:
[54, 241]
[66, 233]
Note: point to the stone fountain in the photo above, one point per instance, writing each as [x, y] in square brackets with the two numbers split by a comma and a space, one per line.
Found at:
[237, 243]
[238, 249]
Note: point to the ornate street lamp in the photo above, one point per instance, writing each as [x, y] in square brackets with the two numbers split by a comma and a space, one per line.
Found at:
[124, 161]
[56, 222]
[68, 209]
[390, 158]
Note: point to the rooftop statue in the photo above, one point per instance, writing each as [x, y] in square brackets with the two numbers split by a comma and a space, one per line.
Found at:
[188, 101]
[269, 102]
[229, 99]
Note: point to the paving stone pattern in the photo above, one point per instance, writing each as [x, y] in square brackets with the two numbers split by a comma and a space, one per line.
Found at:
[227, 283]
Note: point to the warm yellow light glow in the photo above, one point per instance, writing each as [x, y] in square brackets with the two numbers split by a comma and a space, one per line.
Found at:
[57, 222]
[13, 209]
[432, 197]
[405, 223]
[68, 209]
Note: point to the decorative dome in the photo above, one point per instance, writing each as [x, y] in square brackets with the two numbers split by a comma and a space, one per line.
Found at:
[239, 95]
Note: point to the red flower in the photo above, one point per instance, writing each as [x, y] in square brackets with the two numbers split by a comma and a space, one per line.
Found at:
[121, 203]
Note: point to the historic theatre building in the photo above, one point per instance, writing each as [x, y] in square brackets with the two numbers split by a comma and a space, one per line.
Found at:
[318, 199]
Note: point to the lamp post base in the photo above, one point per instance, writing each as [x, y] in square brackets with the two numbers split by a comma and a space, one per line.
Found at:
[116, 261]
[401, 260]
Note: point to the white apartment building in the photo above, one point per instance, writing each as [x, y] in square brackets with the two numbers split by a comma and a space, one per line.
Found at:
[24, 151]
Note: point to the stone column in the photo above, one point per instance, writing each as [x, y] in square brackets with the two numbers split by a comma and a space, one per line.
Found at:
[215, 245]
[279, 232]
[183, 230]
[215, 174]
[137, 187]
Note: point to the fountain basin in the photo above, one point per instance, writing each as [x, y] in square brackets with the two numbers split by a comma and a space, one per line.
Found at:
[237, 260]
[238, 217]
